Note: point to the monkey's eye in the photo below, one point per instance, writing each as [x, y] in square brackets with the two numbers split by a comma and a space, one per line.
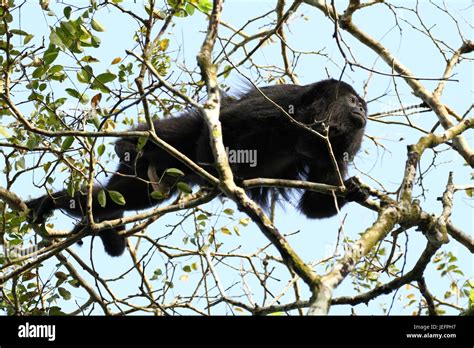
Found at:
[353, 99]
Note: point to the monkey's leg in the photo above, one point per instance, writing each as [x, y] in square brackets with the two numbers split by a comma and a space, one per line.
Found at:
[320, 205]
[317, 205]
[134, 189]
[114, 243]
[136, 192]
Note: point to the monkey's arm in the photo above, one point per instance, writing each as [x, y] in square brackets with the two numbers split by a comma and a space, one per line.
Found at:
[317, 205]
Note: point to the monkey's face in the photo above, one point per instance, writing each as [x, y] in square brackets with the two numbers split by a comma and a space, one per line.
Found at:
[357, 110]
[336, 105]
[347, 112]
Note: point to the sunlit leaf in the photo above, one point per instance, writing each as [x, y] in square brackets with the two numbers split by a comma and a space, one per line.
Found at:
[101, 197]
[4, 132]
[97, 26]
[67, 143]
[183, 187]
[174, 172]
[229, 211]
[117, 197]
[225, 230]
[65, 294]
[157, 195]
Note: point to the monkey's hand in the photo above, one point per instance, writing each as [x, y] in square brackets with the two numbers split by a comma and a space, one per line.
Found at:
[40, 209]
[355, 193]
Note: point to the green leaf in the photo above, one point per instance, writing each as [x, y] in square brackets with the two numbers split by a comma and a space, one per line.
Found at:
[101, 149]
[32, 142]
[55, 69]
[90, 59]
[471, 297]
[201, 217]
[70, 188]
[67, 143]
[74, 283]
[50, 54]
[117, 197]
[183, 187]
[225, 230]
[101, 80]
[227, 70]
[64, 293]
[97, 26]
[61, 275]
[95, 41]
[55, 39]
[55, 311]
[190, 9]
[102, 198]
[187, 269]
[141, 143]
[38, 72]
[28, 276]
[20, 164]
[157, 195]
[83, 98]
[18, 32]
[85, 75]
[46, 166]
[236, 230]
[95, 121]
[106, 77]
[204, 6]
[229, 211]
[174, 172]
[4, 132]
[67, 12]
[73, 93]
[244, 221]
[28, 38]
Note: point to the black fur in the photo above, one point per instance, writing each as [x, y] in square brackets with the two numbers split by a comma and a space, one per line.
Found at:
[250, 122]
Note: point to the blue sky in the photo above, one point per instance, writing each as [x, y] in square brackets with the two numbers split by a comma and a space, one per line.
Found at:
[311, 31]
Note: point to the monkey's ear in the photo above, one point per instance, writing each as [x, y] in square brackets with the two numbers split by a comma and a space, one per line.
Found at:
[310, 95]
[314, 102]
[316, 93]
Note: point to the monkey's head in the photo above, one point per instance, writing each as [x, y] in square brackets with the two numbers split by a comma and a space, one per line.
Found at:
[335, 104]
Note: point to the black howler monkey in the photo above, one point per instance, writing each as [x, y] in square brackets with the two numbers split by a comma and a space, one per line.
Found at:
[250, 123]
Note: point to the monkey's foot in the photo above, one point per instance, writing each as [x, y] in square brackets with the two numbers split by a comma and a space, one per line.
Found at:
[355, 193]
[40, 209]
